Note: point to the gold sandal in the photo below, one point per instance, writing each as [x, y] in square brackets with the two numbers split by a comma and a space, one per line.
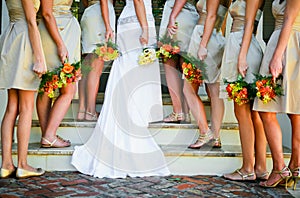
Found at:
[242, 175]
[93, 116]
[285, 175]
[216, 142]
[174, 118]
[53, 145]
[204, 139]
[296, 176]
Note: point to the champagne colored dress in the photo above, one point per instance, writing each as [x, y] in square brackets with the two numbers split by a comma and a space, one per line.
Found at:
[289, 102]
[229, 68]
[186, 19]
[121, 144]
[16, 61]
[216, 44]
[69, 30]
[93, 27]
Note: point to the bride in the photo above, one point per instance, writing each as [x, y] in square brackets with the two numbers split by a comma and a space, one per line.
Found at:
[121, 144]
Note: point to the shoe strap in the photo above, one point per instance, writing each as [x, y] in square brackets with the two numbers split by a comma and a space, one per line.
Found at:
[48, 142]
[244, 176]
[283, 171]
[296, 171]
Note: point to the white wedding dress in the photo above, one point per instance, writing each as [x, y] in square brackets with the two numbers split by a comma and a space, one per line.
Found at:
[121, 144]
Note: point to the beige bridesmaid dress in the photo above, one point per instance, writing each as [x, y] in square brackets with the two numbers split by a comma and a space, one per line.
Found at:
[229, 68]
[216, 44]
[69, 30]
[289, 102]
[186, 19]
[93, 27]
[16, 61]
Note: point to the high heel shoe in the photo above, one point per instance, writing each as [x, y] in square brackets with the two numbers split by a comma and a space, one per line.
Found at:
[22, 173]
[5, 173]
[295, 176]
[216, 142]
[285, 175]
[204, 139]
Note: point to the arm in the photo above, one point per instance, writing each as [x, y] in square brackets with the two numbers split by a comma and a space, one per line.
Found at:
[85, 3]
[105, 15]
[141, 15]
[212, 9]
[291, 12]
[39, 66]
[251, 9]
[178, 5]
[51, 26]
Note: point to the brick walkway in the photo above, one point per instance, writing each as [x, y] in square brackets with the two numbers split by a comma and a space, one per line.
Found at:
[73, 184]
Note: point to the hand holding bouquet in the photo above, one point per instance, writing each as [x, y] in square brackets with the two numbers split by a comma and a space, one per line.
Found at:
[107, 51]
[148, 56]
[193, 69]
[59, 77]
[239, 91]
[267, 89]
[168, 47]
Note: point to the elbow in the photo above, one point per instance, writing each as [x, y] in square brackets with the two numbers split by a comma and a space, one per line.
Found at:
[47, 16]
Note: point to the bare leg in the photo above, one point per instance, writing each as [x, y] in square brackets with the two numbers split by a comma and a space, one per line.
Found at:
[43, 106]
[7, 129]
[57, 113]
[197, 107]
[274, 138]
[26, 106]
[243, 115]
[260, 145]
[82, 99]
[295, 157]
[174, 82]
[93, 80]
[216, 108]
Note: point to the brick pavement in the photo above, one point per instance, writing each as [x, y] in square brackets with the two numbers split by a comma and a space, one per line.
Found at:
[74, 184]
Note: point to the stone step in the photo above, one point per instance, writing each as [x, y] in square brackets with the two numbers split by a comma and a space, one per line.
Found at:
[163, 133]
[180, 160]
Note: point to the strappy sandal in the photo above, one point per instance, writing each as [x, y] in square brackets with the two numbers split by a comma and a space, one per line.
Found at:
[204, 139]
[295, 176]
[285, 175]
[92, 116]
[263, 176]
[244, 177]
[216, 142]
[53, 145]
[174, 118]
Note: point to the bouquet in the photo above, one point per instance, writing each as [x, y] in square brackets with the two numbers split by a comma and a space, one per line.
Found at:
[267, 89]
[107, 51]
[59, 77]
[168, 47]
[239, 91]
[193, 69]
[148, 56]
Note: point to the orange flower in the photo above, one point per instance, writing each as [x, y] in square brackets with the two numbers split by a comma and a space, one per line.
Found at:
[55, 78]
[189, 66]
[176, 50]
[110, 50]
[167, 47]
[68, 68]
[103, 49]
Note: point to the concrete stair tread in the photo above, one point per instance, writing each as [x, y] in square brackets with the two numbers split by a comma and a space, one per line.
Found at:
[169, 150]
[91, 124]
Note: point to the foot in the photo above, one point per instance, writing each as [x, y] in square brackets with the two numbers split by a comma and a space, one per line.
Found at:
[91, 116]
[23, 173]
[240, 175]
[277, 177]
[204, 139]
[263, 176]
[80, 115]
[174, 118]
[216, 142]
[55, 142]
[187, 118]
[6, 173]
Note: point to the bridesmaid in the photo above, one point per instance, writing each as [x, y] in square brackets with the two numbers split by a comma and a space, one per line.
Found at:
[243, 56]
[282, 57]
[60, 33]
[94, 30]
[207, 43]
[185, 14]
[22, 62]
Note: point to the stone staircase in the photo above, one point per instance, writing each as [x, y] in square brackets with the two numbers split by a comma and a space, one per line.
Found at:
[173, 139]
